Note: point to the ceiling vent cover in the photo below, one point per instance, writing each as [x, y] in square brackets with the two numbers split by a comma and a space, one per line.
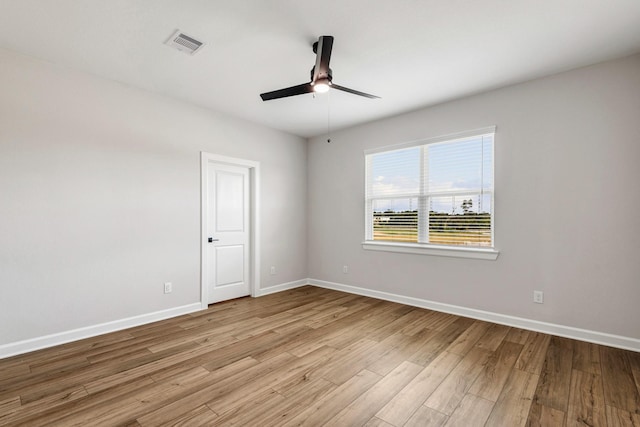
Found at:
[184, 43]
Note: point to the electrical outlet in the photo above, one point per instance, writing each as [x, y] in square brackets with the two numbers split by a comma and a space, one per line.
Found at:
[273, 270]
[168, 287]
[345, 269]
[538, 297]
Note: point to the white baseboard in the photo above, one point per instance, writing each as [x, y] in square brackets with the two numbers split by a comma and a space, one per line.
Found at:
[611, 340]
[281, 287]
[21, 347]
[38, 343]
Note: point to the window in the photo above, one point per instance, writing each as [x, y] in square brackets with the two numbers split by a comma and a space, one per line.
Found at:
[435, 194]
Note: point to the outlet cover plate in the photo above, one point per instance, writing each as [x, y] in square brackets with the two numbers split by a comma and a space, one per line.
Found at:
[538, 297]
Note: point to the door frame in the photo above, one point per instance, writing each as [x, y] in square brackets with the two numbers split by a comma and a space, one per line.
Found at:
[254, 224]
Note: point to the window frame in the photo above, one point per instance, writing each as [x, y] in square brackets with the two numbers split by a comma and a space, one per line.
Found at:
[487, 253]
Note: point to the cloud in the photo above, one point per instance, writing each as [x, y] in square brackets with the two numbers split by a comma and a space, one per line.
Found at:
[394, 186]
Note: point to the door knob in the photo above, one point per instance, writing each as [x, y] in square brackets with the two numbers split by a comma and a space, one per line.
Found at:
[211, 240]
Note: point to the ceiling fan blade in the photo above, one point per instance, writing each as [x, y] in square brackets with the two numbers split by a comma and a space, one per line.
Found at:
[290, 91]
[323, 56]
[353, 91]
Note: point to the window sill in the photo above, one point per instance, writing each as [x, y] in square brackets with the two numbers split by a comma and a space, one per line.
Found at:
[425, 249]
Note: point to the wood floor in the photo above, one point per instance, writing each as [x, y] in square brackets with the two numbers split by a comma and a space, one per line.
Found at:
[313, 356]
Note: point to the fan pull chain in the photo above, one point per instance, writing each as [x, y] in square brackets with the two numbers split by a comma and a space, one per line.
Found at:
[329, 117]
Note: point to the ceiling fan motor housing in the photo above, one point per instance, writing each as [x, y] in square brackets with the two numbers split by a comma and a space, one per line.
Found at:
[329, 75]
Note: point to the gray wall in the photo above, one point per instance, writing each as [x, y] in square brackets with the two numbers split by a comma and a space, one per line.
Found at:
[100, 198]
[567, 153]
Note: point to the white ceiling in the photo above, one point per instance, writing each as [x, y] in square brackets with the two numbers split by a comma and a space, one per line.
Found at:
[412, 53]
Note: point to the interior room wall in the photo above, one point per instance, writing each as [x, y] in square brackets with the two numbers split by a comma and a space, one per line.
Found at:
[100, 198]
[567, 168]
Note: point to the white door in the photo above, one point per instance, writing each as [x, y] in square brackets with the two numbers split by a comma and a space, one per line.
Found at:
[227, 232]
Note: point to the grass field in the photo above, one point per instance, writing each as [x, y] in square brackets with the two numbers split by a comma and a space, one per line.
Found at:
[409, 235]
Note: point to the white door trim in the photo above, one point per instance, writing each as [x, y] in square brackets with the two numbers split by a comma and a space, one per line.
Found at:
[254, 172]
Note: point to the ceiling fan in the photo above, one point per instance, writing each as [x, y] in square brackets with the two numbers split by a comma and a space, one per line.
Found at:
[321, 76]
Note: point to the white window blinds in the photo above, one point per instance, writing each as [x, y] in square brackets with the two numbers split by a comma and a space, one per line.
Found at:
[438, 191]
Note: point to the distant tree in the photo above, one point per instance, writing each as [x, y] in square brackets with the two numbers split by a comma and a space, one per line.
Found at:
[466, 206]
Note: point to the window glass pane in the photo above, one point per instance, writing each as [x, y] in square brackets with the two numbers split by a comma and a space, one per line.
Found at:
[395, 219]
[395, 173]
[460, 220]
[455, 166]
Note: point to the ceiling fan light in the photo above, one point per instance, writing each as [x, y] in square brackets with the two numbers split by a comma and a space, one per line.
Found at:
[321, 86]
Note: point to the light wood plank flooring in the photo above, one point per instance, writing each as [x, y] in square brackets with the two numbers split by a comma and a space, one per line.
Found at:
[313, 356]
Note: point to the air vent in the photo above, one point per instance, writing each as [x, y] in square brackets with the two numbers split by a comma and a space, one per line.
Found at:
[184, 43]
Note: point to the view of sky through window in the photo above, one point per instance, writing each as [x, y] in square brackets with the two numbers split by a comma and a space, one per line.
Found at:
[452, 168]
